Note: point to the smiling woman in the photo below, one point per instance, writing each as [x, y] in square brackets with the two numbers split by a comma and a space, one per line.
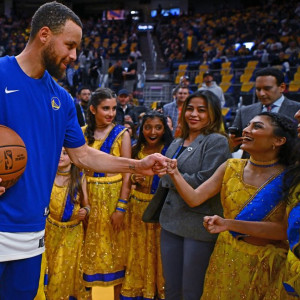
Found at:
[254, 226]
[200, 150]
[108, 195]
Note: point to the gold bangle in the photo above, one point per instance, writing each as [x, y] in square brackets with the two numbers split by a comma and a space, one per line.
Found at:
[132, 177]
[87, 209]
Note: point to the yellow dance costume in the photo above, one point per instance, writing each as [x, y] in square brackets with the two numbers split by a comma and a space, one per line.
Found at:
[239, 270]
[144, 276]
[291, 277]
[63, 241]
[105, 249]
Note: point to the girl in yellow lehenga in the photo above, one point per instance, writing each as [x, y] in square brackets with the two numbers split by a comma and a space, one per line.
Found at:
[250, 250]
[105, 244]
[143, 278]
[64, 233]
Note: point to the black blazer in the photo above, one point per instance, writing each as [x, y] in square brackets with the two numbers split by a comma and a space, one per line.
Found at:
[79, 115]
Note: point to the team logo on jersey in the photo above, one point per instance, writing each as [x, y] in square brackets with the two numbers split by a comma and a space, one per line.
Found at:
[55, 102]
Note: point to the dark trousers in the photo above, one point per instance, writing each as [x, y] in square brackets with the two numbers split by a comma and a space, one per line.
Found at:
[19, 279]
[184, 265]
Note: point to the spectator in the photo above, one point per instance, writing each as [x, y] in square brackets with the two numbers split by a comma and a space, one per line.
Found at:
[95, 70]
[84, 95]
[116, 71]
[269, 86]
[260, 51]
[185, 81]
[293, 48]
[173, 109]
[200, 150]
[210, 85]
[130, 74]
[135, 53]
[190, 45]
[124, 108]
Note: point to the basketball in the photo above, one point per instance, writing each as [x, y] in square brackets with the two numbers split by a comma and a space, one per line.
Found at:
[13, 157]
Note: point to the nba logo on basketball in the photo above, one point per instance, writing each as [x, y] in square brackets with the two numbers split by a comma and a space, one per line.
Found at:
[8, 159]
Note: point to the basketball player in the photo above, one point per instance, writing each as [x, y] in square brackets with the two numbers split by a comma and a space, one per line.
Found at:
[44, 115]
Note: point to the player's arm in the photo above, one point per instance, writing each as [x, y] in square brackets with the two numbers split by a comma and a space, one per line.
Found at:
[91, 159]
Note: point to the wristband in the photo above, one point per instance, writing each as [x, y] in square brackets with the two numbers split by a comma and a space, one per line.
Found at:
[122, 205]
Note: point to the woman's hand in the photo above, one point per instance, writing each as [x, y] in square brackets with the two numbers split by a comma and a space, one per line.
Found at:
[172, 167]
[214, 224]
[81, 214]
[117, 219]
[137, 178]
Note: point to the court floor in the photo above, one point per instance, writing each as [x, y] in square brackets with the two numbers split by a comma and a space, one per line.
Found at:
[103, 293]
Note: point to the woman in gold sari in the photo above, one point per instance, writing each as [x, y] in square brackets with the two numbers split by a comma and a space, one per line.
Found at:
[288, 281]
[251, 247]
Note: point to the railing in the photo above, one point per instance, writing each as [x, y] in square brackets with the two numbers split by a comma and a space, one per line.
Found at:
[152, 51]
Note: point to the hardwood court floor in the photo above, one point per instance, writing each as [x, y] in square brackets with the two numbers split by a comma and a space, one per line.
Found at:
[103, 293]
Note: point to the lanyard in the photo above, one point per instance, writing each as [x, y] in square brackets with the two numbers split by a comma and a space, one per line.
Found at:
[177, 151]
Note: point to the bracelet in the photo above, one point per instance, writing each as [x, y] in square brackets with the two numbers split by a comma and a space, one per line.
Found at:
[132, 177]
[87, 209]
[122, 205]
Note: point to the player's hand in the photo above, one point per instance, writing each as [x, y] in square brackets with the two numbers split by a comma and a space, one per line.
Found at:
[235, 141]
[81, 214]
[2, 189]
[214, 224]
[153, 164]
[117, 220]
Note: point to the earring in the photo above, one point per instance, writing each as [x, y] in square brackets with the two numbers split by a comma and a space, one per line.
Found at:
[273, 147]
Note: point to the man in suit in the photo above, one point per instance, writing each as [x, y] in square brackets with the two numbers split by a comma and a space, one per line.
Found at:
[173, 109]
[84, 95]
[269, 85]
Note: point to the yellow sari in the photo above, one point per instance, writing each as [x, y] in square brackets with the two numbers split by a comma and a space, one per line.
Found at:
[239, 270]
[143, 277]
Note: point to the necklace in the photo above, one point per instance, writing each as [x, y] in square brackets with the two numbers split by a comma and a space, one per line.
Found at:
[63, 173]
[263, 164]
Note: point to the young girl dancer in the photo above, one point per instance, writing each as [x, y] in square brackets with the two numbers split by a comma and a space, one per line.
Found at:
[144, 279]
[105, 248]
[64, 232]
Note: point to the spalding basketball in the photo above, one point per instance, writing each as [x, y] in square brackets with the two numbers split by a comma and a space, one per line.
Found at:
[13, 156]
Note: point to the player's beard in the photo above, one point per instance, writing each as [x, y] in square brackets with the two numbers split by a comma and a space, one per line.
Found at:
[49, 58]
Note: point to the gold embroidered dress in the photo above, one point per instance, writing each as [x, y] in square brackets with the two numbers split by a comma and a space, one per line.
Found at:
[239, 270]
[291, 277]
[105, 249]
[287, 285]
[143, 278]
[63, 242]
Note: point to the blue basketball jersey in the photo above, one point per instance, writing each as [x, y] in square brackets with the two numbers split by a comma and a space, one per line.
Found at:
[44, 115]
